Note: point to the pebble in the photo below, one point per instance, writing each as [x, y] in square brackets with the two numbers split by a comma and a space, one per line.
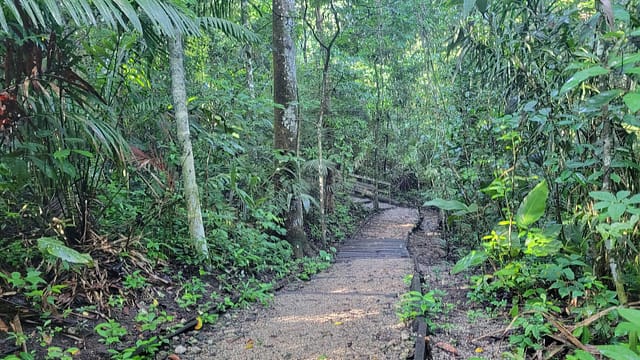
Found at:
[180, 349]
[196, 350]
[404, 336]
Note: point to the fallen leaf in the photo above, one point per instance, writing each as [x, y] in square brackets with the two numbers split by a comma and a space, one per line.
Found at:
[3, 326]
[338, 323]
[198, 323]
[479, 350]
[249, 344]
[447, 347]
[173, 357]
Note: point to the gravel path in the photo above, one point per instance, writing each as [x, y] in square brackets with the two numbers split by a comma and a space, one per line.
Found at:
[346, 312]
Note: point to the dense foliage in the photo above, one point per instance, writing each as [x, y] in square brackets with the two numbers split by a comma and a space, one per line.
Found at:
[516, 118]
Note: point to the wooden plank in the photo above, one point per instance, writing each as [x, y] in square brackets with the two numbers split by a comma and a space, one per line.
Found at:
[422, 351]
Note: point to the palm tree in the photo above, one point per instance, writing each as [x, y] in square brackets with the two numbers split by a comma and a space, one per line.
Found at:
[46, 94]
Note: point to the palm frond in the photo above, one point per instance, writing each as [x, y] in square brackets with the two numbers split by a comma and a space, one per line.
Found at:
[165, 18]
[229, 28]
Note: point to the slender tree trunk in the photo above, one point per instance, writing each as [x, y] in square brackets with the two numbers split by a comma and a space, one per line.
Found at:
[607, 157]
[324, 106]
[286, 121]
[247, 50]
[179, 93]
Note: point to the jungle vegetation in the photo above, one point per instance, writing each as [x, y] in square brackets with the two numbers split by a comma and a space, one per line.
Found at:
[211, 143]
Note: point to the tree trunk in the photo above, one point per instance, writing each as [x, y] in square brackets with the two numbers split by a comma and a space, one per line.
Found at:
[194, 213]
[247, 50]
[324, 108]
[607, 158]
[286, 121]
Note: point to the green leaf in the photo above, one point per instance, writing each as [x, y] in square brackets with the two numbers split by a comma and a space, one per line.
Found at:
[55, 247]
[603, 98]
[84, 153]
[452, 205]
[532, 207]
[631, 315]
[474, 258]
[603, 196]
[581, 355]
[616, 210]
[632, 100]
[482, 5]
[61, 154]
[467, 7]
[618, 352]
[581, 76]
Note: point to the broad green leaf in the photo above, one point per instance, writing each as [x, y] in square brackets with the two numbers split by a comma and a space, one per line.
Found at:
[625, 60]
[616, 210]
[625, 328]
[618, 352]
[538, 244]
[580, 355]
[581, 76]
[603, 196]
[623, 194]
[448, 205]
[467, 7]
[532, 207]
[61, 154]
[631, 315]
[633, 70]
[632, 100]
[635, 199]
[482, 5]
[474, 258]
[603, 98]
[55, 247]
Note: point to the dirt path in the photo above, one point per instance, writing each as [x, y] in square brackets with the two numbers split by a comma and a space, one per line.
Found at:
[346, 312]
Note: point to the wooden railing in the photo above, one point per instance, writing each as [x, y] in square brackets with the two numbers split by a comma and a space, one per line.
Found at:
[366, 186]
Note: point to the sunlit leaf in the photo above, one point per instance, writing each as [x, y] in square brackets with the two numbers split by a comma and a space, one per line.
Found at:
[603, 196]
[581, 76]
[55, 247]
[474, 258]
[618, 352]
[532, 207]
[631, 315]
[632, 100]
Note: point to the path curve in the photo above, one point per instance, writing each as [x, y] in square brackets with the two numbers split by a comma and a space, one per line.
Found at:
[346, 312]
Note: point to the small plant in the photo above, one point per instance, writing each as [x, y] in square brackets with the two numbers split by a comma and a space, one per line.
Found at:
[55, 352]
[414, 304]
[193, 291]
[116, 301]
[134, 281]
[253, 291]
[152, 319]
[111, 332]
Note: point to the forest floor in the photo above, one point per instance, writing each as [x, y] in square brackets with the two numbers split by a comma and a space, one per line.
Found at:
[350, 310]
[463, 330]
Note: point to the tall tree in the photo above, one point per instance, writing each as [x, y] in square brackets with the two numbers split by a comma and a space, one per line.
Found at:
[191, 194]
[286, 120]
[326, 46]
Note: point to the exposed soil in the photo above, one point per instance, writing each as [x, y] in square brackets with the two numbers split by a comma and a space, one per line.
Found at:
[465, 331]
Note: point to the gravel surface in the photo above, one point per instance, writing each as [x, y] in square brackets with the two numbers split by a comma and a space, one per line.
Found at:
[346, 312]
